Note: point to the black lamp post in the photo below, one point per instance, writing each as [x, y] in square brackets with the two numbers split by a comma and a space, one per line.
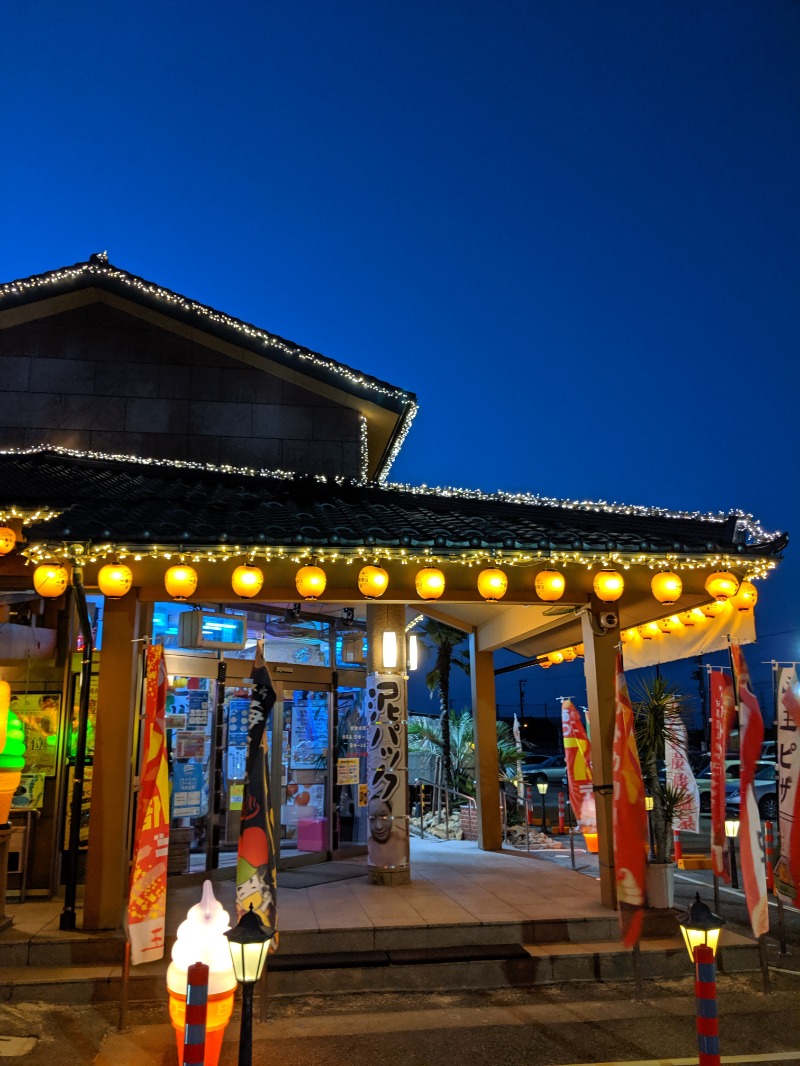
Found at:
[542, 784]
[249, 943]
[732, 832]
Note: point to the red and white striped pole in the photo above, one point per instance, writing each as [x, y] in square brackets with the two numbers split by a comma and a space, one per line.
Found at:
[561, 810]
[194, 1033]
[705, 991]
[676, 837]
[769, 848]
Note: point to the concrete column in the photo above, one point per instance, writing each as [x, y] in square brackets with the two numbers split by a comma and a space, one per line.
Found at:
[386, 707]
[107, 867]
[487, 767]
[600, 650]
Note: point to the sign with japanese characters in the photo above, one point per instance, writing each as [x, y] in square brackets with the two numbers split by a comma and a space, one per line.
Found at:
[787, 871]
[680, 777]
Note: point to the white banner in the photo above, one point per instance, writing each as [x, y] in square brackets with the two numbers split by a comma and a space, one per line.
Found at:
[702, 636]
[787, 871]
[680, 777]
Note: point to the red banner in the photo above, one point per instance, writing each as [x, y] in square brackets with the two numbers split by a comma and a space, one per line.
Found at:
[751, 841]
[629, 817]
[787, 871]
[147, 903]
[578, 754]
[723, 709]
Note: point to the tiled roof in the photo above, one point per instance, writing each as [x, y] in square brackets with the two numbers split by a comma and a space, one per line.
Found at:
[130, 502]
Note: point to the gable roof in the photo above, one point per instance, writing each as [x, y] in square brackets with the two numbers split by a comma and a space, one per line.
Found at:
[388, 409]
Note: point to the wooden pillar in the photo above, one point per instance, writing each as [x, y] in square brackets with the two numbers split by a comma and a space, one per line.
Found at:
[487, 767]
[600, 650]
[107, 868]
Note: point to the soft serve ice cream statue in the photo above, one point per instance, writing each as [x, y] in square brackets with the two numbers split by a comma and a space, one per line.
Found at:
[201, 939]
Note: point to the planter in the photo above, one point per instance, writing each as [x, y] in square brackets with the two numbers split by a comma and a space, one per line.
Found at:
[660, 885]
[469, 822]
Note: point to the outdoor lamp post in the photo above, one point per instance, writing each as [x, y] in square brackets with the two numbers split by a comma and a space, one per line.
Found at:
[732, 832]
[701, 928]
[542, 784]
[648, 806]
[249, 943]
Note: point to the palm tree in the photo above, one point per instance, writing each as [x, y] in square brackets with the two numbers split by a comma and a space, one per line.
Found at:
[656, 714]
[443, 640]
[425, 736]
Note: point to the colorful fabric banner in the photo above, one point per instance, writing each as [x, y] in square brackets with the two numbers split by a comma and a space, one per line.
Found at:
[681, 778]
[387, 772]
[256, 881]
[629, 817]
[723, 710]
[578, 754]
[787, 871]
[751, 839]
[147, 901]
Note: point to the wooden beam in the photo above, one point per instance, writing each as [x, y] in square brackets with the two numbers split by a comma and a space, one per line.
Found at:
[487, 768]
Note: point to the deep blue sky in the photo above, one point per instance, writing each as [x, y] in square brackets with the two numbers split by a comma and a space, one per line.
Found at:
[571, 228]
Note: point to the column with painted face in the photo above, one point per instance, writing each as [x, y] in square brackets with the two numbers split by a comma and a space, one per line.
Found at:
[387, 772]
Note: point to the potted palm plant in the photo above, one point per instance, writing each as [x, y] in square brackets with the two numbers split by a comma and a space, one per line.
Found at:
[656, 718]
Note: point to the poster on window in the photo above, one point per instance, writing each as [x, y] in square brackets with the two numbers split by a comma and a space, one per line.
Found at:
[309, 730]
[197, 711]
[187, 790]
[40, 714]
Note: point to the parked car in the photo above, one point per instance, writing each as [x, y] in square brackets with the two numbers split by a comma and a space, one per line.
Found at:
[553, 766]
[765, 787]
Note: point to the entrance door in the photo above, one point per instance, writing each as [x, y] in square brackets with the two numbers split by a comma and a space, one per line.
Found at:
[300, 744]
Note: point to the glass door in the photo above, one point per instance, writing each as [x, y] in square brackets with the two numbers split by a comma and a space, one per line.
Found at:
[300, 779]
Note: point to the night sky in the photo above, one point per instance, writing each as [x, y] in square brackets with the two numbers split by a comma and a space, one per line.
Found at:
[571, 228]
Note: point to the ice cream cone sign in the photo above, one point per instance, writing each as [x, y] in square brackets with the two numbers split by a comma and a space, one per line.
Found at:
[12, 752]
[201, 939]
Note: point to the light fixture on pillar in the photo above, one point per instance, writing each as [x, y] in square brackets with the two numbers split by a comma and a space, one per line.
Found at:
[429, 583]
[180, 581]
[667, 587]
[310, 581]
[372, 581]
[721, 585]
[492, 584]
[50, 580]
[8, 539]
[389, 649]
[746, 597]
[114, 580]
[549, 585]
[246, 581]
[413, 651]
[608, 585]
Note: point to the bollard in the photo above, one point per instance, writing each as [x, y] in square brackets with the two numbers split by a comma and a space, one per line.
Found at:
[194, 1033]
[705, 990]
[769, 854]
[561, 812]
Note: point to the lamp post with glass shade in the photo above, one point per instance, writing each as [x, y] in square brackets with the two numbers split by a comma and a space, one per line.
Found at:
[701, 929]
[732, 832]
[249, 943]
[542, 785]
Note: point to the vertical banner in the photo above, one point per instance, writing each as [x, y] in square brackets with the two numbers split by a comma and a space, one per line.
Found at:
[256, 881]
[751, 838]
[723, 709]
[681, 778]
[387, 772]
[578, 754]
[147, 901]
[629, 817]
[787, 871]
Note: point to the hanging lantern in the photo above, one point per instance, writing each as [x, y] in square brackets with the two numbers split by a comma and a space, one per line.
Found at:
[8, 539]
[549, 585]
[627, 635]
[667, 588]
[663, 625]
[492, 584]
[722, 585]
[711, 610]
[429, 583]
[608, 585]
[555, 657]
[372, 581]
[310, 581]
[649, 630]
[579, 650]
[246, 581]
[180, 581]
[746, 597]
[114, 580]
[50, 580]
[570, 655]
[545, 664]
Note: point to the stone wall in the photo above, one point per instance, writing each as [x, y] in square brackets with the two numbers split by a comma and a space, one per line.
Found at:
[98, 379]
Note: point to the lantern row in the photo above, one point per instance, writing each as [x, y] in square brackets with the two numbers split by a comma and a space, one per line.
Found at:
[247, 580]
